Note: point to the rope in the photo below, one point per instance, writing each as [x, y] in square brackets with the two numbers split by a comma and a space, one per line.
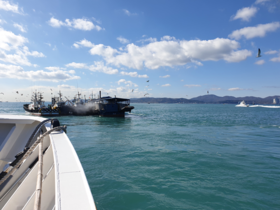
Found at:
[30, 151]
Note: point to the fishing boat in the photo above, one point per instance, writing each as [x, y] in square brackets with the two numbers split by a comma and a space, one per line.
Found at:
[37, 106]
[242, 104]
[100, 106]
[40, 168]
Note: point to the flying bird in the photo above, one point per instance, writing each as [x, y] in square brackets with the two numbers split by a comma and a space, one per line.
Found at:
[148, 80]
[17, 92]
[21, 94]
[51, 89]
[259, 53]
[132, 90]
[207, 92]
[146, 94]
[2, 93]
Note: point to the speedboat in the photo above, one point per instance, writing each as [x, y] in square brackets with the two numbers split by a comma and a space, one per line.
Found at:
[40, 168]
[242, 104]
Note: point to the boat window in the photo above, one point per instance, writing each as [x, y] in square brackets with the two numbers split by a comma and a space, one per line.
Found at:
[123, 102]
[5, 130]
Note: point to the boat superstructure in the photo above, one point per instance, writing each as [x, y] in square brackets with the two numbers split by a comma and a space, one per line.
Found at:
[242, 104]
[40, 168]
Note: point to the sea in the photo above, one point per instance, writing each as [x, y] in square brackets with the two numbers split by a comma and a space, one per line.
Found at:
[179, 156]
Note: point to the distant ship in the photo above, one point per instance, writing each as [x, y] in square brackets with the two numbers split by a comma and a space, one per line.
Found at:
[242, 104]
[102, 106]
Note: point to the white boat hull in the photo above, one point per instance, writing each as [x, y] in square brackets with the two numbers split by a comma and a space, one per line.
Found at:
[64, 184]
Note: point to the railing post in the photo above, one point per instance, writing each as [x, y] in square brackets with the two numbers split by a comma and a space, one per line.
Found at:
[37, 203]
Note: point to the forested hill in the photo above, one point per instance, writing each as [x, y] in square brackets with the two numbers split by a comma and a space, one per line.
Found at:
[209, 99]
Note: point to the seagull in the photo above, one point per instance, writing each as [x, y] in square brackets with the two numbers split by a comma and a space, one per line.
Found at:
[2, 93]
[132, 90]
[146, 94]
[148, 80]
[207, 92]
[51, 89]
[259, 53]
[17, 92]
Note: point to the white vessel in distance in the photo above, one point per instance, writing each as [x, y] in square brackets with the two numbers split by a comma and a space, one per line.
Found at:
[40, 167]
[242, 104]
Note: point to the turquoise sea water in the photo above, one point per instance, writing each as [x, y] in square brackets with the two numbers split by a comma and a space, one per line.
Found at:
[179, 156]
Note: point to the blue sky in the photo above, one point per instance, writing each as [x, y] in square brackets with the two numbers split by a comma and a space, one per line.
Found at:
[184, 48]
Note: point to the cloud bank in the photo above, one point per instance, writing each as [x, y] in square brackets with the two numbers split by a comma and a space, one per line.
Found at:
[168, 53]
[17, 72]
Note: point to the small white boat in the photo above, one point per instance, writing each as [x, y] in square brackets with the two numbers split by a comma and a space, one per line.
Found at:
[242, 104]
[40, 168]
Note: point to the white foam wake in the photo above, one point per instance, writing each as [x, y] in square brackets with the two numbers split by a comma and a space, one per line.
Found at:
[273, 107]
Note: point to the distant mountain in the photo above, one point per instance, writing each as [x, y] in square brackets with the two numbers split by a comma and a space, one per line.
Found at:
[209, 99]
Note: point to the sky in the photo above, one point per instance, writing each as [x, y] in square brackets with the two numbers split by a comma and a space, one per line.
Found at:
[176, 49]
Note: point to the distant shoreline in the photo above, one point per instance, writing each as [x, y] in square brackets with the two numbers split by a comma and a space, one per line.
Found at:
[209, 99]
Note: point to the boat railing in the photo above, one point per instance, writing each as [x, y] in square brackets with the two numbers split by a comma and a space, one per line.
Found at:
[10, 171]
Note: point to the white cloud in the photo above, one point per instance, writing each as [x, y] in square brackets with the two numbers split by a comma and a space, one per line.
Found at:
[270, 52]
[133, 74]
[260, 62]
[19, 27]
[123, 40]
[6, 5]
[166, 85]
[166, 76]
[128, 13]
[128, 83]
[17, 72]
[77, 65]
[83, 43]
[192, 86]
[245, 13]
[169, 53]
[9, 42]
[261, 1]
[81, 24]
[235, 89]
[98, 66]
[168, 38]
[54, 68]
[214, 89]
[147, 40]
[276, 59]
[2, 21]
[143, 76]
[256, 31]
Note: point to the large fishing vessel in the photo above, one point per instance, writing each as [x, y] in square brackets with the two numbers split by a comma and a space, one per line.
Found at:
[101, 106]
[40, 168]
